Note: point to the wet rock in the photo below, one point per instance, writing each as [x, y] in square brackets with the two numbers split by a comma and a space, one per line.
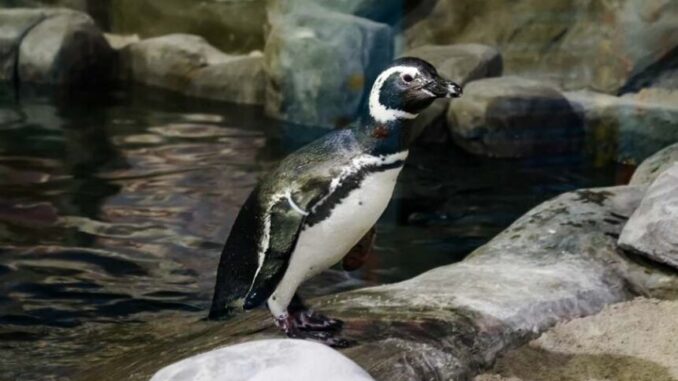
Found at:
[626, 129]
[514, 117]
[52, 46]
[231, 26]
[461, 63]
[559, 261]
[599, 47]
[281, 360]
[653, 227]
[628, 341]
[188, 64]
[319, 65]
[654, 165]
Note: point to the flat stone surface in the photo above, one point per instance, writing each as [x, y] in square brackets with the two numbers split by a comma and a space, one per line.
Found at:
[633, 341]
[514, 117]
[626, 129]
[188, 64]
[652, 230]
[558, 262]
[266, 360]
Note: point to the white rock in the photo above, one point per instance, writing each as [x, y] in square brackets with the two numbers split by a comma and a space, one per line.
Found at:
[266, 360]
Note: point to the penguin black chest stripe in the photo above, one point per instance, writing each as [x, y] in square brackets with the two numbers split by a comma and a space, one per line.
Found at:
[345, 187]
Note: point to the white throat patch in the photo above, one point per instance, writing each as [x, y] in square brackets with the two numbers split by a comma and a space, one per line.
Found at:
[378, 111]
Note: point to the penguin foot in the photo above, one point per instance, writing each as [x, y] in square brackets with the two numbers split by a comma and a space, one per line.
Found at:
[294, 330]
[310, 320]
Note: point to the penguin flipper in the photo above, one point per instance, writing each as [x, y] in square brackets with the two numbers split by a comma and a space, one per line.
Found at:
[287, 220]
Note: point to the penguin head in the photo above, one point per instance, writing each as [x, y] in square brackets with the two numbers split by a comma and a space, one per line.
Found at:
[406, 87]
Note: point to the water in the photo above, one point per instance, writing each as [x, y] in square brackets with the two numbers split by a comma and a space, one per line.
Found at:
[114, 207]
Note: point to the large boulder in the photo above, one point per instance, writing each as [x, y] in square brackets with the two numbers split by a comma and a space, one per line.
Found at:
[320, 65]
[461, 63]
[188, 64]
[626, 129]
[514, 117]
[634, 340]
[654, 165]
[558, 262]
[280, 360]
[53, 46]
[652, 230]
[232, 26]
[579, 44]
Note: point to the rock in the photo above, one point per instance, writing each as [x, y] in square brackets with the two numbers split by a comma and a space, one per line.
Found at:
[654, 165]
[628, 341]
[514, 117]
[119, 41]
[66, 48]
[376, 10]
[231, 26]
[599, 47]
[625, 129]
[558, 262]
[652, 230]
[54, 46]
[14, 24]
[461, 63]
[280, 360]
[188, 64]
[319, 66]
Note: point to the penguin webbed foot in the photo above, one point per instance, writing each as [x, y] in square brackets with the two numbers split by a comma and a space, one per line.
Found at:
[308, 325]
[310, 320]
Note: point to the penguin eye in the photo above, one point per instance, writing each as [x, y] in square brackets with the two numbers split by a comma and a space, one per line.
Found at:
[407, 78]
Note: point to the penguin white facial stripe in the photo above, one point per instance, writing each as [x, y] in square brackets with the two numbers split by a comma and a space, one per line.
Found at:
[378, 111]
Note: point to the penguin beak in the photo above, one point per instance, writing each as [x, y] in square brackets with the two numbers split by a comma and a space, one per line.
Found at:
[443, 88]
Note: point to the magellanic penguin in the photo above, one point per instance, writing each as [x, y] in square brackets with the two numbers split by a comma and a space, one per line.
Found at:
[311, 210]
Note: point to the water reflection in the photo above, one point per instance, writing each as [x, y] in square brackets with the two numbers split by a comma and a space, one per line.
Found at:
[114, 207]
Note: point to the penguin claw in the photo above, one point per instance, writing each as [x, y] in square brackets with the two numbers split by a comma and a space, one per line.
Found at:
[313, 321]
[328, 335]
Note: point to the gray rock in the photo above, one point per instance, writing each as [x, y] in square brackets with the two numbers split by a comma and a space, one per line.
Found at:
[280, 360]
[626, 129]
[376, 10]
[14, 24]
[514, 117]
[234, 26]
[461, 63]
[654, 165]
[599, 47]
[652, 230]
[188, 64]
[557, 262]
[65, 48]
[319, 65]
[53, 46]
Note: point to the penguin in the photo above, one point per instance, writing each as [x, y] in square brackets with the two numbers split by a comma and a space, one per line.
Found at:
[305, 215]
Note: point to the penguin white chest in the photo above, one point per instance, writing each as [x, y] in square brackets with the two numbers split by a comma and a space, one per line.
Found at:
[325, 243]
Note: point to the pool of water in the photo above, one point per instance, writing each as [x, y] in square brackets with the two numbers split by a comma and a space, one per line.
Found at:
[114, 207]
